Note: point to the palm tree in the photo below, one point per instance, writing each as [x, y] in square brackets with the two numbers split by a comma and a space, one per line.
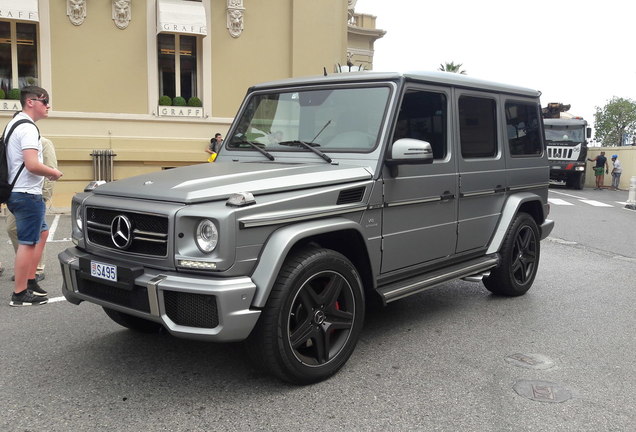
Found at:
[452, 67]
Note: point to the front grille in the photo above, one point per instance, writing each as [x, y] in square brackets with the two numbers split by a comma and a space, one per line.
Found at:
[559, 153]
[192, 310]
[136, 299]
[149, 232]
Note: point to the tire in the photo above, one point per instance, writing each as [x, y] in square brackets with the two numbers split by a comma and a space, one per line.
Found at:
[575, 181]
[133, 322]
[312, 320]
[579, 182]
[520, 252]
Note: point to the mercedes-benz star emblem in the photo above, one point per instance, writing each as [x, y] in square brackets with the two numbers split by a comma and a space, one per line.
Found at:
[121, 231]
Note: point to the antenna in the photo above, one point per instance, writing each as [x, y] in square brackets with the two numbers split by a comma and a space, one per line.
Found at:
[324, 70]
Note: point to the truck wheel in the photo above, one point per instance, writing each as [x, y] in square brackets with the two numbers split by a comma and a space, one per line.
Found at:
[578, 181]
[132, 322]
[312, 319]
[519, 253]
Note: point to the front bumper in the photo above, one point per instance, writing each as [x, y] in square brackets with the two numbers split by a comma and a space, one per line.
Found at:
[188, 306]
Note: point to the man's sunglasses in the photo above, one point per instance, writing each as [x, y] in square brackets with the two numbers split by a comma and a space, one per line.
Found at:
[45, 101]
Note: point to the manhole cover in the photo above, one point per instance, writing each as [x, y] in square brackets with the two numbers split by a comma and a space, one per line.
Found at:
[542, 391]
[530, 361]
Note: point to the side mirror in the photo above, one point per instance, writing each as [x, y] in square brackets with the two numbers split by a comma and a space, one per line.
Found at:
[588, 132]
[409, 151]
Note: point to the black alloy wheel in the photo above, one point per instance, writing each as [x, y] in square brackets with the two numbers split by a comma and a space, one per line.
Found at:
[312, 320]
[520, 252]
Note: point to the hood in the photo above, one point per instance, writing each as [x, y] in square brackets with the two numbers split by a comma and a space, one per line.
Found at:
[218, 180]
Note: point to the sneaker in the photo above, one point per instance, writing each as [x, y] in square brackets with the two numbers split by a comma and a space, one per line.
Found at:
[37, 290]
[26, 298]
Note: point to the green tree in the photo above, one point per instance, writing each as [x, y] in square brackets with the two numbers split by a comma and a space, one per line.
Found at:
[452, 67]
[614, 120]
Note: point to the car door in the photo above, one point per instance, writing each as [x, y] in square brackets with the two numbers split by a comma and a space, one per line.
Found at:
[420, 206]
[482, 174]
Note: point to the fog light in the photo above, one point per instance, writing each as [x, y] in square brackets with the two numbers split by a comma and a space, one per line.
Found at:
[198, 265]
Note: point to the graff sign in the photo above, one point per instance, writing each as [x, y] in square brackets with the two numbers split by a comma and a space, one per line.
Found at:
[19, 14]
[10, 105]
[170, 111]
[181, 28]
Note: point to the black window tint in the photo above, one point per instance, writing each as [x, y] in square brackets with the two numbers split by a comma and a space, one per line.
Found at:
[423, 117]
[477, 127]
[524, 133]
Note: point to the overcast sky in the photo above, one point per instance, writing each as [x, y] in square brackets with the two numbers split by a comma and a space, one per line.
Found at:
[577, 52]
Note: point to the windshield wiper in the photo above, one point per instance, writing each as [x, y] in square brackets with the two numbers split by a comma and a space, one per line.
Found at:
[310, 146]
[264, 152]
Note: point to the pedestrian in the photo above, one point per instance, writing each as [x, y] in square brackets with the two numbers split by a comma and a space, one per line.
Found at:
[600, 166]
[25, 202]
[616, 172]
[49, 159]
[215, 145]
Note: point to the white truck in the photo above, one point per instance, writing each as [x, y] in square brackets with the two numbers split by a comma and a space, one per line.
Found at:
[566, 140]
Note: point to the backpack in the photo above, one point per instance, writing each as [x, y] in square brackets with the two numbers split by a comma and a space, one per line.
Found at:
[5, 186]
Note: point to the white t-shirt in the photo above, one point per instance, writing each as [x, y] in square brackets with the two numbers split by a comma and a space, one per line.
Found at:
[25, 136]
[618, 169]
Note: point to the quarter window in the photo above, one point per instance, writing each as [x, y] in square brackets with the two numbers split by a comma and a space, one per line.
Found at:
[18, 55]
[523, 127]
[477, 127]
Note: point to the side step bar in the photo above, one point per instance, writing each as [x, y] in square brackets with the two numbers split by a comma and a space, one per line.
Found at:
[406, 287]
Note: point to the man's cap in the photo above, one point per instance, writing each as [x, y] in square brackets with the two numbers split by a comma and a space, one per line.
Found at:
[614, 156]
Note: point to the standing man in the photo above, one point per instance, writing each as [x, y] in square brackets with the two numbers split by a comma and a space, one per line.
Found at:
[26, 201]
[616, 172]
[214, 147]
[49, 159]
[601, 165]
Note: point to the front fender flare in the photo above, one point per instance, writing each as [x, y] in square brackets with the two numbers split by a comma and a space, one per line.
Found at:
[511, 208]
[280, 243]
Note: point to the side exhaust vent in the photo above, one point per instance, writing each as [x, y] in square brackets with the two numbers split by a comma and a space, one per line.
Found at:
[350, 196]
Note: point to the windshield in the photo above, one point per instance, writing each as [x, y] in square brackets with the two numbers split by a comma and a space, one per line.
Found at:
[342, 119]
[575, 134]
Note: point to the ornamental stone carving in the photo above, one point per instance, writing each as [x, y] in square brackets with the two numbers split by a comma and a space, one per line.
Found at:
[122, 13]
[76, 11]
[235, 11]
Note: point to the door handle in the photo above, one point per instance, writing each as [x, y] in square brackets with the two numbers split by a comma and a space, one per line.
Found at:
[447, 196]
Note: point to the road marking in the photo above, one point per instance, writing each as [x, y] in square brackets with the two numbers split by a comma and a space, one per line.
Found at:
[595, 203]
[53, 228]
[57, 299]
[566, 194]
[558, 201]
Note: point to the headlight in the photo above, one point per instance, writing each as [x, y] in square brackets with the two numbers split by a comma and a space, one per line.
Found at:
[207, 236]
[78, 217]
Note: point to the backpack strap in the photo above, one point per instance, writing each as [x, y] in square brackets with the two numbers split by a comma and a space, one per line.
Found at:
[7, 135]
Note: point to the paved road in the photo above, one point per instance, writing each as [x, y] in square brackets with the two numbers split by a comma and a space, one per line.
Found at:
[453, 358]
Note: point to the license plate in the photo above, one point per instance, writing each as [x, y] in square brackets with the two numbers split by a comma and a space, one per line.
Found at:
[104, 271]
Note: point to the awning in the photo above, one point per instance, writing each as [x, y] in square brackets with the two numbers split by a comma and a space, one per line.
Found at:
[182, 17]
[20, 10]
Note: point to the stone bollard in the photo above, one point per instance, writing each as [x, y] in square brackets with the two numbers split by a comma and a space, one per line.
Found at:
[631, 200]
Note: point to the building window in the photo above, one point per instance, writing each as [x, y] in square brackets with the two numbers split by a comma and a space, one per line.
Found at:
[18, 55]
[177, 68]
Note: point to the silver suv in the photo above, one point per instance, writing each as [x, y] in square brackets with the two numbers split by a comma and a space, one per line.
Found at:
[329, 193]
